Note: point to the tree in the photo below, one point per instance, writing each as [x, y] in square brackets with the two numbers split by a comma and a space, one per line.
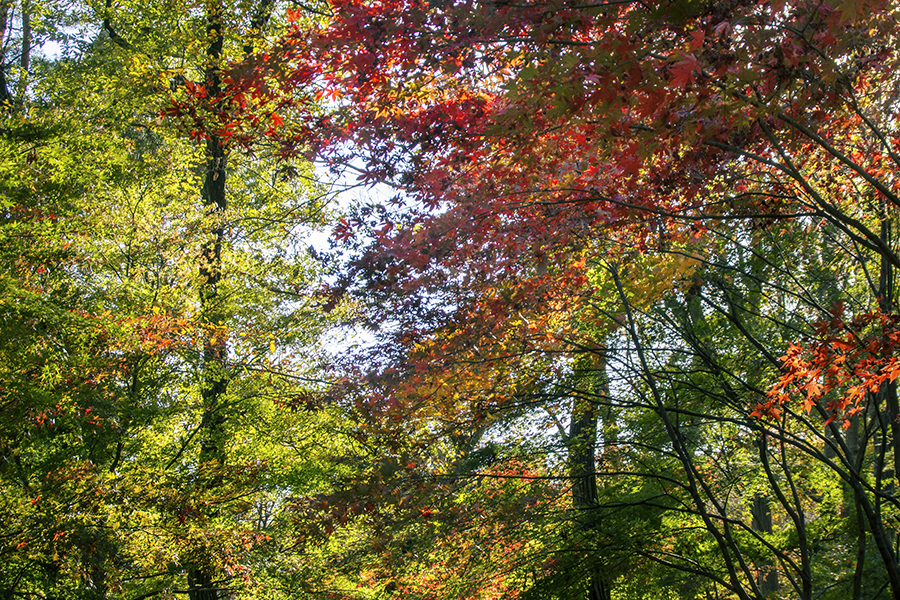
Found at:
[132, 294]
[551, 147]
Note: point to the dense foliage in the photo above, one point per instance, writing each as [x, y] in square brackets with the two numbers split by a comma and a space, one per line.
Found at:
[665, 232]
[630, 300]
[161, 336]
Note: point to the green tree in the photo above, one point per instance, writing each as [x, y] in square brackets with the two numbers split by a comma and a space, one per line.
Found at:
[162, 364]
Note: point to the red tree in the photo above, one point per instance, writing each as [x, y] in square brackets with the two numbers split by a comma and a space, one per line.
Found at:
[532, 139]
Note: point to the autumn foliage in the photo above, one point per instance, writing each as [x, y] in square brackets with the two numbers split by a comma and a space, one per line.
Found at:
[627, 278]
[684, 192]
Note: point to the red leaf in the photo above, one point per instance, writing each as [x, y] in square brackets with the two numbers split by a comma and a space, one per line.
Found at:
[696, 39]
[682, 73]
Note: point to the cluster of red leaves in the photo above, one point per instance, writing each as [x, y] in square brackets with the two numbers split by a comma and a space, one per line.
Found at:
[250, 102]
[530, 135]
[605, 112]
[533, 127]
[528, 132]
[834, 374]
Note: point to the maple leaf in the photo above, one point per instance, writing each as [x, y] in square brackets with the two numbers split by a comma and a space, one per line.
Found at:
[696, 39]
[851, 11]
[813, 389]
[650, 102]
[681, 74]
[892, 369]
[766, 411]
[808, 403]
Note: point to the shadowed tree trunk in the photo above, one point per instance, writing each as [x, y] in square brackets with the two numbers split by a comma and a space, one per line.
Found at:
[5, 96]
[201, 576]
[25, 58]
[767, 579]
[581, 442]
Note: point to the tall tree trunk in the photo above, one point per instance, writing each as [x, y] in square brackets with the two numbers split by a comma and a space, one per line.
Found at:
[201, 575]
[581, 443]
[25, 58]
[888, 391]
[767, 579]
[5, 97]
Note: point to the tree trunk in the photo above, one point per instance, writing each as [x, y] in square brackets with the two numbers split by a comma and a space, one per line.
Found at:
[215, 351]
[581, 443]
[25, 59]
[888, 391]
[5, 97]
[767, 578]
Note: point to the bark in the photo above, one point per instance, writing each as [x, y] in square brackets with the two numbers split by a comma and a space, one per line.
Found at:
[860, 556]
[767, 579]
[25, 60]
[5, 96]
[200, 585]
[582, 441]
[215, 372]
[888, 392]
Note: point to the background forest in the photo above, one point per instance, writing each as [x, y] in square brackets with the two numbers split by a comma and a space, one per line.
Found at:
[610, 313]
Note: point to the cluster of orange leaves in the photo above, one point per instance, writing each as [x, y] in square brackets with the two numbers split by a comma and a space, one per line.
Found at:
[835, 373]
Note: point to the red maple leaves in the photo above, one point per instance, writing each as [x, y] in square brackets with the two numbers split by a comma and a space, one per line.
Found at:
[528, 130]
[836, 373]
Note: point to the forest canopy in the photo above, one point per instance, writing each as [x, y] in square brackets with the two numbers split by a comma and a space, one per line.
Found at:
[607, 309]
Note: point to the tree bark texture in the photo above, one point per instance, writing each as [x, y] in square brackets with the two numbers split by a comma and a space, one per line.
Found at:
[582, 441]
